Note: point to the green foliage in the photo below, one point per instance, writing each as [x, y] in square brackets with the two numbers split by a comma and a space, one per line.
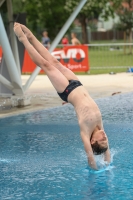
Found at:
[3, 12]
[42, 15]
[92, 9]
[51, 15]
[126, 16]
[54, 15]
[92, 25]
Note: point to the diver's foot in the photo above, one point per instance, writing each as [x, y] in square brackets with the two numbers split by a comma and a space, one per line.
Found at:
[19, 33]
[27, 32]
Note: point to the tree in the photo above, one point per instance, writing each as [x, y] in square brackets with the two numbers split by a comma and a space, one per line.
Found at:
[42, 15]
[92, 9]
[3, 12]
[125, 12]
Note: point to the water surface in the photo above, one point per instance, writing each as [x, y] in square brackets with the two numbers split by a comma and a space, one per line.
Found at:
[42, 156]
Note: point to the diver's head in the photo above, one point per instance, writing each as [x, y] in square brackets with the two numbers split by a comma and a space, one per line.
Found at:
[99, 142]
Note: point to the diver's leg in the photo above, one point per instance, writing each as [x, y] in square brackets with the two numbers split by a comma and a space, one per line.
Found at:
[58, 80]
[47, 56]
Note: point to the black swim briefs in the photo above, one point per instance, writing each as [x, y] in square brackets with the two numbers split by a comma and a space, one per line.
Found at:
[72, 85]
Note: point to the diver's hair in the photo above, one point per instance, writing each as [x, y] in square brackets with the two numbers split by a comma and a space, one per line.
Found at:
[97, 149]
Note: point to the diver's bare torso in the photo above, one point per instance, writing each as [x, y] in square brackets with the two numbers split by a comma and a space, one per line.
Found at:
[87, 111]
[89, 116]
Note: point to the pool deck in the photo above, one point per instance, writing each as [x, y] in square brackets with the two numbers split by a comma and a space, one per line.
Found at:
[43, 95]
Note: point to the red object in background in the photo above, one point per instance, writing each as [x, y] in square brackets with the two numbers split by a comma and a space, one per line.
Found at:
[0, 51]
[28, 64]
[73, 57]
[0, 54]
[65, 40]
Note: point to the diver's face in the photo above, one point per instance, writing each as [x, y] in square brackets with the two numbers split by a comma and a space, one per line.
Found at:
[101, 138]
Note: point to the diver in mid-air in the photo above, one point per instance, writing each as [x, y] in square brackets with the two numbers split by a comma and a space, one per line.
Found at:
[71, 90]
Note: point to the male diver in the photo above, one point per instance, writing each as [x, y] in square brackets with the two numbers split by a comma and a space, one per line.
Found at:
[71, 90]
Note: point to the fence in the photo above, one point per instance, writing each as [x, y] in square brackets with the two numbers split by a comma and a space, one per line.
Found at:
[105, 58]
[107, 35]
[99, 35]
[115, 56]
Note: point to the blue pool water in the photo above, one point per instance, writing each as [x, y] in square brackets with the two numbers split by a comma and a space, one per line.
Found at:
[42, 156]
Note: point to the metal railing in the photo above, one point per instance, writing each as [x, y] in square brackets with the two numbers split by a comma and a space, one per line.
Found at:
[110, 56]
[106, 56]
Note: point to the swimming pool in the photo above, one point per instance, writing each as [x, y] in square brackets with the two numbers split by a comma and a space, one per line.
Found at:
[42, 156]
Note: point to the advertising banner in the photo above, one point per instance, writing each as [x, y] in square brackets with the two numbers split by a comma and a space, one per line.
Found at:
[73, 57]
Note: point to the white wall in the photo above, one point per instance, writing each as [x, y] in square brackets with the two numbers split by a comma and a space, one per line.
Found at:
[107, 25]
